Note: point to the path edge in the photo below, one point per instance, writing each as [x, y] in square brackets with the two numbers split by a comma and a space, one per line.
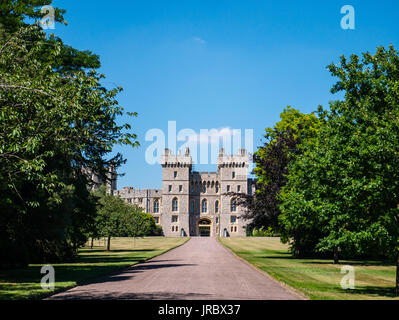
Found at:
[122, 269]
[286, 286]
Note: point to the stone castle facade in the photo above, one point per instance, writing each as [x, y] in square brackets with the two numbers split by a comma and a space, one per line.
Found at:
[193, 203]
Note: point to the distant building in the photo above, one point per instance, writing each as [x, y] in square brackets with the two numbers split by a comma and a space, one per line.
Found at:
[194, 203]
[95, 181]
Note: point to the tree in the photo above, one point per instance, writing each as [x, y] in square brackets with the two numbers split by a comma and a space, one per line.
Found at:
[111, 213]
[346, 183]
[15, 13]
[272, 159]
[138, 223]
[52, 124]
[115, 218]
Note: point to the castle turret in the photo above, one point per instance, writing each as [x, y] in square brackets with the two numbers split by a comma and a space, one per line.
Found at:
[176, 171]
[233, 172]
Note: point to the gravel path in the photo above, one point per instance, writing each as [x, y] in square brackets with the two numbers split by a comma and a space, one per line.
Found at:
[200, 269]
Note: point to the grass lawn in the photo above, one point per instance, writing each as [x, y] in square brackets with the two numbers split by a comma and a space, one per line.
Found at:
[92, 263]
[317, 278]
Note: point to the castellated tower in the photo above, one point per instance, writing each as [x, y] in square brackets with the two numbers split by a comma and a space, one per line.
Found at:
[233, 175]
[195, 203]
[176, 171]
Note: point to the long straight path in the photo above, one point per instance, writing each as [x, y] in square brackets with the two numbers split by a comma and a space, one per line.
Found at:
[200, 269]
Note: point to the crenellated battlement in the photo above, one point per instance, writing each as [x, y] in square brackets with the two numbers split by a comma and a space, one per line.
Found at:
[176, 161]
[240, 160]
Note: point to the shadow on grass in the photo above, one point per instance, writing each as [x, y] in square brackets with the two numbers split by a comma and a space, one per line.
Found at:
[108, 259]
[88, 250]
[318, 260]
[353, 263]
[373, 290]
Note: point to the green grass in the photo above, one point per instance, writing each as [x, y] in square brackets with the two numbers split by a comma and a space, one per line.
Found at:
[24, 283]
[317, 278]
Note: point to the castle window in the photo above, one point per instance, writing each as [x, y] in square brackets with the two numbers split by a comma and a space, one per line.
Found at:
[204, 206]
[238, 188]
[233, 205]
[204, 188]
[156, 219]
[175, 218]
[140, 200]
[129, 200]
[170, 188]
[233, 219]
[180, 188]
[156, 206]
[233, 175]
[228, 188]
[217, 219]
[175, 174]
[217, 187]
[192, 206]
[216, 206]
[175, 204]
[235, 228]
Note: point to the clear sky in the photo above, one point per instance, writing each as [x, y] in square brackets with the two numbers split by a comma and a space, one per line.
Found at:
[219, 64]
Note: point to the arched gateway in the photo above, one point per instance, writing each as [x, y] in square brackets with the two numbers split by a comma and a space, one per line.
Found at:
[204, 227]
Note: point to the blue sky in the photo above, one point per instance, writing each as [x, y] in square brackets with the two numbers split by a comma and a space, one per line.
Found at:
[219, 64]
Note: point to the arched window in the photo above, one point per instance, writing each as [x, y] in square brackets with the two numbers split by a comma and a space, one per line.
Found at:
[156, 206]
[175, 204]
[192, 206]
[233, 205]
[217, 187]
[216, 206]
[204, 206]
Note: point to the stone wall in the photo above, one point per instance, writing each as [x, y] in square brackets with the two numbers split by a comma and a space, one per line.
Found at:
[200, 197]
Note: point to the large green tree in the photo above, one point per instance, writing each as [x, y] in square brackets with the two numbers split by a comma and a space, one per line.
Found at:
[346, 184]
[116, 218]
[138, 223]
[15, 14]
[281, 146]
[55, 119]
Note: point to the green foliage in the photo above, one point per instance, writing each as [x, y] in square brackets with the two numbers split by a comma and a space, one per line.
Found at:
[116, 218]
[55, 119]
[157, 231]
[343, 190]
[282, 145]
[263, 232]
[13, 13]
[138, 223]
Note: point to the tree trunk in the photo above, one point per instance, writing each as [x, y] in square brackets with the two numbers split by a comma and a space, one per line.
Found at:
[336, 258]
[91, 245]
[109, 243]
[397, 275]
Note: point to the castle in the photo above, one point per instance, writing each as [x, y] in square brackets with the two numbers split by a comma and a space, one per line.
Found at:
[194, 203]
